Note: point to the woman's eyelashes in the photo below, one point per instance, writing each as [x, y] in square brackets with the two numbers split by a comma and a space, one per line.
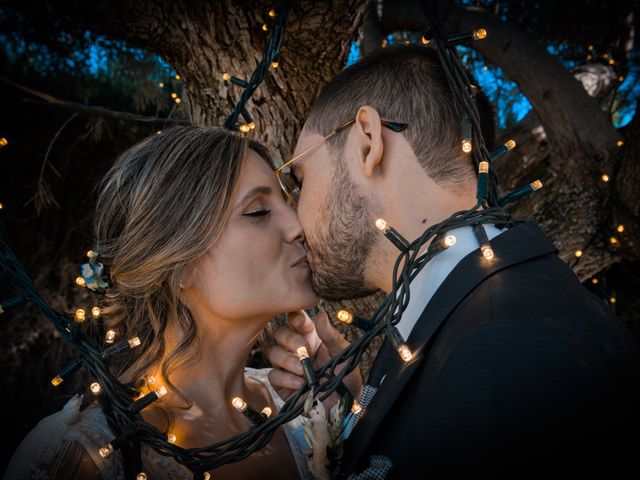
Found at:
[257, 213]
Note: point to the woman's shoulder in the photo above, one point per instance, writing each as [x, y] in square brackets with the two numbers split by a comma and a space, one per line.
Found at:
[70, 436]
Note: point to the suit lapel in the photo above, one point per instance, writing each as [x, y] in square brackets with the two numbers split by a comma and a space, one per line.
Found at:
[520, 243]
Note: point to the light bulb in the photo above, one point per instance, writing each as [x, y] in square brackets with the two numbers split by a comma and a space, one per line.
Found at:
[275, 64]
[161, 392]
[425, 40]
[405, 352]
[171, 438]
[613, 240]
[95, 311]
[161, 84]
[578, 253]
[244, 128]
[106, 450]
[226, 76]
[134, 342]
[605, 177]
[57, 380]
[174, 95]
[487, 252]
[536, 185]
[594, 281]
[466, 146]
[177, 77]
[483, 167]
[178, 100]
[510, 144]
[80, 281]
[302, 353]
[448, 241]
[95, 388]
[3, 142]
[265, 27]
[141, 476]
[239, 404]
[272, 13]
[620, 228]
[80, 315]
[110, 336]
[612, 299]
[479, 34]
[356, 408]
[345, 316]
[266, 411]
[252, 125]
[619, 143]
[381, 224]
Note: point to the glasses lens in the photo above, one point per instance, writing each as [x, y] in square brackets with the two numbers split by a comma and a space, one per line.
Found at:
[290, 185]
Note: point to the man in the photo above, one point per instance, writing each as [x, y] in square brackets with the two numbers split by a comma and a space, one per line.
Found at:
[518, 368]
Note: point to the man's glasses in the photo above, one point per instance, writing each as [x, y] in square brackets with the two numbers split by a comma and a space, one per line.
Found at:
[289, 183]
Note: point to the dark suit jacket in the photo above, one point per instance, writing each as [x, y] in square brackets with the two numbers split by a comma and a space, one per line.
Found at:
[520, 370]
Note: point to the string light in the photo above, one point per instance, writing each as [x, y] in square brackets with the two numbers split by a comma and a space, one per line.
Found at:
[578, 253]
[174, 95]
[605, 177]
[254, 417]
[95, 311]
[95, 388]
[161, 84]
[178, 100]
[620, 228]
[356, 408]
[265, 27]
[239, 404]
[275, 64]
[399, 344]
[266, 411]
[80, 315]
[147, 400]
[80, 281]
[177, 77]
[392, 234]
[448, 241]
[613, 299]
[594, 281]
[272, 13]
[4, 142]
[121, 347]
[425, 41]
[171, 438]
[307, 367]
[613, 240]
[110, 336]
[106, 450]
[141, 476]
[483, 240]
[66, 371]
[619, 143]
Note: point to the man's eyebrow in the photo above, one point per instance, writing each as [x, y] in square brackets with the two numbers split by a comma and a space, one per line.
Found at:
[261, 190]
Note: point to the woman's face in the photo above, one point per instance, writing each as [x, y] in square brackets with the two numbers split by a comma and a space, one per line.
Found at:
[258, 266]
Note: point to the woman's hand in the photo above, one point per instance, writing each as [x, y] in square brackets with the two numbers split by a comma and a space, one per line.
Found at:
[322, 341]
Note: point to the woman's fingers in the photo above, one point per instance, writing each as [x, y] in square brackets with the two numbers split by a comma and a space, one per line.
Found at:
[291, 340]
[285, 361]
[285, 383]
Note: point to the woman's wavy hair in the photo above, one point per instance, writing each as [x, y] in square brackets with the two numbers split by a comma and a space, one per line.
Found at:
[163, 203]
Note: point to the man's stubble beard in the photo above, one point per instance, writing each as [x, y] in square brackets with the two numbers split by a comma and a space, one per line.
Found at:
[339, 247]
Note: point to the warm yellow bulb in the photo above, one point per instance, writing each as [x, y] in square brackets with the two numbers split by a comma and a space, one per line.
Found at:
[302, 352]
[589, 57]
[275, 64]
[171, 438]
[161, 392]
[611, 61]
[466, 146]
[449, 241]
[405, 352]
[106, 450]
[613, 240]
[226, 76]
[141, 476]
[110, 336]
[487, 252]
[612, 299]
[1, 206]
[578, 253]
[619, 143]
[134, 342]
[57, 380]
[425, 40]
[161, 84]
[252, 126]
[178, 100]
[479, 34]
[345, 316]
[620, 228]
[80, 315]
[510, 144]
[483, 167]
[621, 78]
[90, 253]
[265, 27]
[485, 68]
[356, 408]
[3, 142]
[174, 95]
[80, 281]
[272, 13]
[177, 77]
[95, 311]
[158, 132]
[266, 411]
[151, 380]
[244, 128]
[536, 185]
[605, 177]
[239, 404]
[381, 224]
[590, 47]
[207, 475]
[594, 281]
[95, 388]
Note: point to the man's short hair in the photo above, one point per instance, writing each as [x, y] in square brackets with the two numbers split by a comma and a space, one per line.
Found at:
[404, 84]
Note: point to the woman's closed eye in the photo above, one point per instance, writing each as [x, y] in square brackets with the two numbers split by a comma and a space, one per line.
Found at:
[257, 213]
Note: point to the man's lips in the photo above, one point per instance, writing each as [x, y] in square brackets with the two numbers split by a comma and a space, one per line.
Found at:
[302, 261]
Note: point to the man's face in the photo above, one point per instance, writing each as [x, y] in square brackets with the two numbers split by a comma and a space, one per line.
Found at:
[336, 218]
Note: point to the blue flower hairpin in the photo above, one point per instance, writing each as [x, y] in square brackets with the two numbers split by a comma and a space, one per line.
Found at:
[94, 273]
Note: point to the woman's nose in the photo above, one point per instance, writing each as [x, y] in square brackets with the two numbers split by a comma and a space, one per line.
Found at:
[292, 227]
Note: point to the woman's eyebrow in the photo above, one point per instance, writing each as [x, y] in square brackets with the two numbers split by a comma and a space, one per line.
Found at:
[263, 190]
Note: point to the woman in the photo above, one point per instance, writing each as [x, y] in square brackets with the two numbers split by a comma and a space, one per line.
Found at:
[202, 251]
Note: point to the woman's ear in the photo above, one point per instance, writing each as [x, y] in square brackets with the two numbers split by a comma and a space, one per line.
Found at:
[369, 137]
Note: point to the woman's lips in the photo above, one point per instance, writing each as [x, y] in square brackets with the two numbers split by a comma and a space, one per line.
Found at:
[301, 262]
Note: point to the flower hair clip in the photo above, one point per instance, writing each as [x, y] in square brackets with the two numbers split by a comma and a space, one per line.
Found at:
[94, 273]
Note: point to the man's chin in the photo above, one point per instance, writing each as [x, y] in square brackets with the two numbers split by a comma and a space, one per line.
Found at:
[335, 290]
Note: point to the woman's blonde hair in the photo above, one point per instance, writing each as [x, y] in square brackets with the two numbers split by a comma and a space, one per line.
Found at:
[163, 204]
